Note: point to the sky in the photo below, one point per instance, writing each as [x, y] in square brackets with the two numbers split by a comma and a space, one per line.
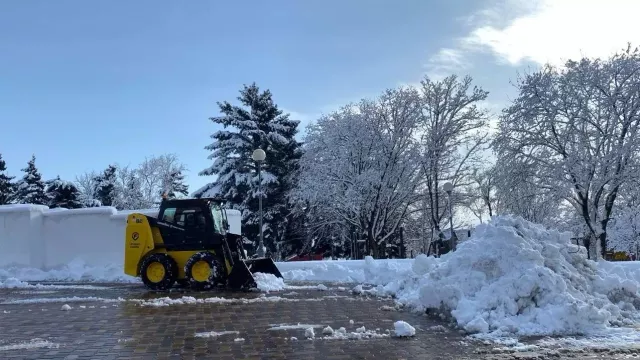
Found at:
[88, 84]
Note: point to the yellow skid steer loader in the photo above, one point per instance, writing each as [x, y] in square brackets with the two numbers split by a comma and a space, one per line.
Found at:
[189, 243]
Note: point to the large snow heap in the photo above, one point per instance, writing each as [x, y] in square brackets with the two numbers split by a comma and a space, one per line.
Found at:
[513, 277]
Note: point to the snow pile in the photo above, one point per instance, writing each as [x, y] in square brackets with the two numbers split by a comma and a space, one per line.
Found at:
[403, 329]
[625, 270]
[76, 270]
[13, 283]
[515, 278]
[359, 334]
[309, 333]
[268, 282]
[327, 331]
[341, 271]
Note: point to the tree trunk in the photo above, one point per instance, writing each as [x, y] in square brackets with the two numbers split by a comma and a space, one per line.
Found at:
[373, 247]
[603, 244]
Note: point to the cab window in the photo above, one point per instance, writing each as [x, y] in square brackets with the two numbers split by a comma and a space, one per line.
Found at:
[189, 217]
[216, 213]
[169, 215]
[192, 218]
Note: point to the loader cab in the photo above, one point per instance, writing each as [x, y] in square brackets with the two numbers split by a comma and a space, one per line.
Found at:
[191, 224]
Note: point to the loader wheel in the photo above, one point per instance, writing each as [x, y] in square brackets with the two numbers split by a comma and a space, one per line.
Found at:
[158, 271]
[204, 271]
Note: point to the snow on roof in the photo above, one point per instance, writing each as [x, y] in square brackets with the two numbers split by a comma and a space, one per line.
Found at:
[123, 214]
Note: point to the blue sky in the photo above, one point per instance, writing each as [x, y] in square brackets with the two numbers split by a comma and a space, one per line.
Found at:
[85, 84]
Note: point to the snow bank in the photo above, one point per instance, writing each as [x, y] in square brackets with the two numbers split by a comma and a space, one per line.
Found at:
[513, 277]
[76, 270]
[342, 271]
[12, 283]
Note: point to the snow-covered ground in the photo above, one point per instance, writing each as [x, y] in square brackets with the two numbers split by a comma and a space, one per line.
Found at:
[511, 279]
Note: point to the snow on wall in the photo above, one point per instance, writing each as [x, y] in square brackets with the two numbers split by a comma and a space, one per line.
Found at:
[43, 238]
[90, 234]
[234, 218]
[20, 234]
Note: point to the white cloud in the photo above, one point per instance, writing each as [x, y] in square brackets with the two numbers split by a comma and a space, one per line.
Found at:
[544, 31]
[447, 61]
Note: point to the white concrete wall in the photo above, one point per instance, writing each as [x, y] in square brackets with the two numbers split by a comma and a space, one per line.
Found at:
[20, 235]
[44, 238]
[234, 218]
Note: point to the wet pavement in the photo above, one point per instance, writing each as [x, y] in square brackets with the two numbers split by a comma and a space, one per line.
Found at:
[125, 321]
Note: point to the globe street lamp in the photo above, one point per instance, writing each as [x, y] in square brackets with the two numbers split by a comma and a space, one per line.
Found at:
[448, 188]
[259, 156]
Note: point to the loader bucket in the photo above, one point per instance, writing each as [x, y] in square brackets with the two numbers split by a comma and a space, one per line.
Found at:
[241, 275]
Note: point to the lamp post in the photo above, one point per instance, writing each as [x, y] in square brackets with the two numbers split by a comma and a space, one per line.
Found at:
[259, 156]
[448, 188]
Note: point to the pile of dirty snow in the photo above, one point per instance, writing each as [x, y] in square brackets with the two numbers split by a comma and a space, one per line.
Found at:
[513, 277]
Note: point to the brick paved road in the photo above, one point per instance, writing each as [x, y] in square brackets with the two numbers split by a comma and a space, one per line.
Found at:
[95, 328]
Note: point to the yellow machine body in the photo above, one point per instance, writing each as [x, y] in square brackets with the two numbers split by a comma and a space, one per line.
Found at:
[201, 254]
[143, 239]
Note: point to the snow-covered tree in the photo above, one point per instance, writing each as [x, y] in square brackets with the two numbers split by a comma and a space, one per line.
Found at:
[105, 183]
[481, 192]
[31, 188]
[87, 185]
[175, 185]
[359, 171]
[256, 123]
[624, 233]
[517, 192]
[129, 191]
[7, 187]
[140, 187]
[453, 135]
[63, 194]
[160, 174]
[577, 126]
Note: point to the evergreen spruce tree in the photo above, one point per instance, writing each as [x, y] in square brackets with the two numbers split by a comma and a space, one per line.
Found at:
[63, 194]
[258, 123]
[176, 185]
[31, 188]
[106, 186]
[7, 187]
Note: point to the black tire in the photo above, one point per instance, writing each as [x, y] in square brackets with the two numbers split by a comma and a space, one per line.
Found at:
[217, 275]
[170, 271]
